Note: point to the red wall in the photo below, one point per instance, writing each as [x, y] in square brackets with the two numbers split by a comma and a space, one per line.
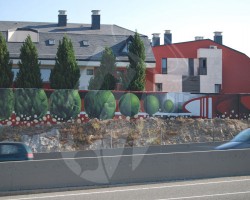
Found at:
[150, 80]
[235, 65]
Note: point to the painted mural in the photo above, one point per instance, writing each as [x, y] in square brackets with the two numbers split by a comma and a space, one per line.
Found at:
[29, 107]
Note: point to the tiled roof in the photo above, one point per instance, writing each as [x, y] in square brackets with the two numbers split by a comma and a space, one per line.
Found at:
[108, 36]
[85, 29]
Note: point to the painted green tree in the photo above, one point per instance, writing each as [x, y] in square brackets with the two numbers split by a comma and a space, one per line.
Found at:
[65, 102]
[135, 77]
[29, 75]
[6, 75]
[105, 78]
[30, 99]
[66, 72]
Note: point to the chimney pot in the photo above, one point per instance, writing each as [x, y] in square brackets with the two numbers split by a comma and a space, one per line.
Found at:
[156, 34]
[62, 12]
[217, 33]
[199, 38]
[95, 12]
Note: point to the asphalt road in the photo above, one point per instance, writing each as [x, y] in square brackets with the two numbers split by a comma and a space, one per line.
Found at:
[229, 188]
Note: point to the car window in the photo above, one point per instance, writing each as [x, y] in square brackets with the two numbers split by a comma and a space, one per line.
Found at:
[8, 149]
[243, 136]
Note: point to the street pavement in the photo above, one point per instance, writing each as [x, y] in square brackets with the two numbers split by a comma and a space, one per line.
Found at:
[229, 188]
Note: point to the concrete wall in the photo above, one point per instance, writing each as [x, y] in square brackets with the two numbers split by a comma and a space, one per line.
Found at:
[92, 171]
[186, 147]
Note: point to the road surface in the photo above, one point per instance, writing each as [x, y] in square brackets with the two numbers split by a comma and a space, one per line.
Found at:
[229, 188]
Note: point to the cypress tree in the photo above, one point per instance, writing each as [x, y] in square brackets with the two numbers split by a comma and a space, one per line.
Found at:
[136, 72]
[6, 81]
[29, 75]
[66, 73]
[104, 78]
[6, 75]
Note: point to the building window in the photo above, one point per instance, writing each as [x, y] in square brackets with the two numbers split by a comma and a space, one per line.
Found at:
[15, 70]
[52, 42]
[119, 75]
[158, 87]
[85, 43]
[164, 69]
[202, 66]
[126, 47]
[191, 67]
[90, 72]
[45, 74]
[217, 88]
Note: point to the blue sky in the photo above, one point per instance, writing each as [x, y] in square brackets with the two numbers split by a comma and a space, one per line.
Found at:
[185, 18]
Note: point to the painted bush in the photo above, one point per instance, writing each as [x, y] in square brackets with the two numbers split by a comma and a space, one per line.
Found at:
[151, 104]
[100, 104]
[6, 103]
[30, 103]
[65, 104]
[168, 106]
[129, 104]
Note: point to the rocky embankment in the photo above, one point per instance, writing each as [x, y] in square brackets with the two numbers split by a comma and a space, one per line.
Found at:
[97, 134]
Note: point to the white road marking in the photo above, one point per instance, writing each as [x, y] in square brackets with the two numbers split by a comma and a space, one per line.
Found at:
[134, 189]
[204, 196]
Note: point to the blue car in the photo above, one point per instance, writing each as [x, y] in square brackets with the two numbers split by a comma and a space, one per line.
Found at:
[240, 141]
[15, 151]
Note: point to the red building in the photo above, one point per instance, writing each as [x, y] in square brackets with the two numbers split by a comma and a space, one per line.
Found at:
[202, 66]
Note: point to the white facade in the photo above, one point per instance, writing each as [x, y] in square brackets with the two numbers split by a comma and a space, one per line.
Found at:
[214, 70]
[84, 78]
[170, 83]
[178, 70]
[177, 66]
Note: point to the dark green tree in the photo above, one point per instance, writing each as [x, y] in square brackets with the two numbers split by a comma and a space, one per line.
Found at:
[105, 78]
[6, 75]
[66, 72]
[6, 81]
[135, 77]
[29, 75]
